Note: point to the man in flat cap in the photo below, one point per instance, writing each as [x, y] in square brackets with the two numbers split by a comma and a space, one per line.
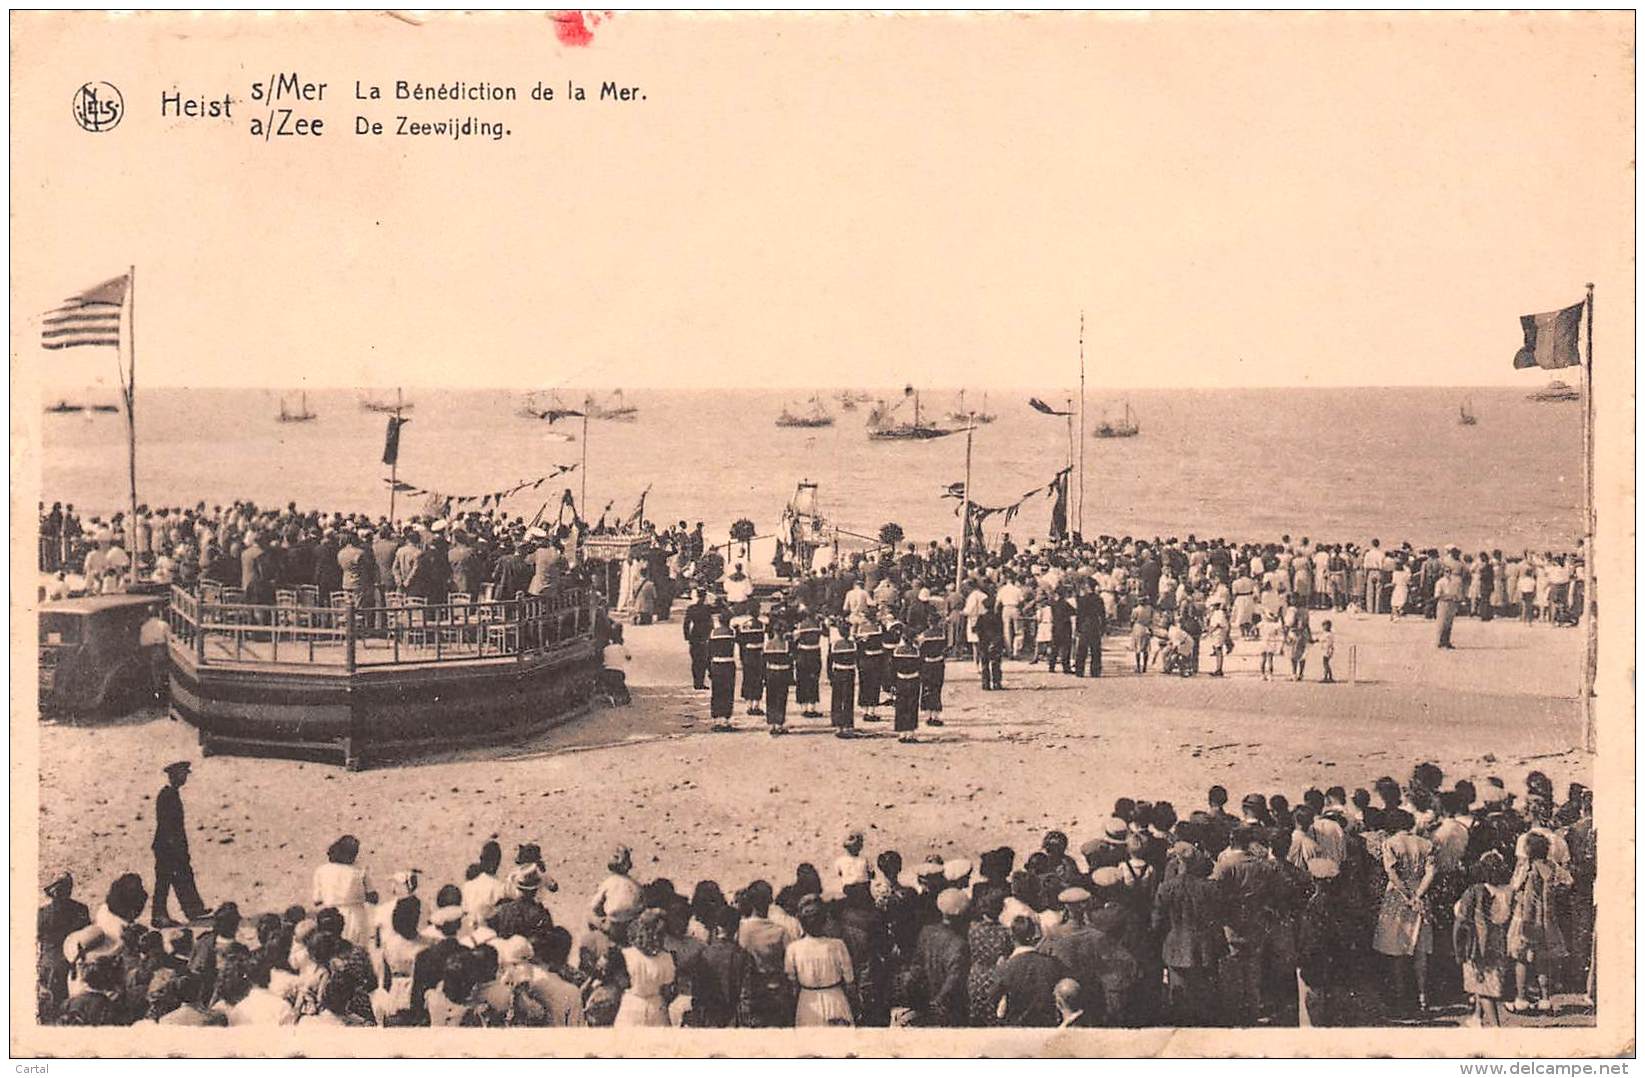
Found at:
[942, 960]
[172, 867]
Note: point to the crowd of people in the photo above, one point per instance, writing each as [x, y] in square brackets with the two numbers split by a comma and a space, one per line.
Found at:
[1386, 903]
[878, 626]
[262, 550]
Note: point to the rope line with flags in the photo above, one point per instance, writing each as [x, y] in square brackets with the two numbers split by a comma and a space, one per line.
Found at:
[1057, 488]
[400, 486]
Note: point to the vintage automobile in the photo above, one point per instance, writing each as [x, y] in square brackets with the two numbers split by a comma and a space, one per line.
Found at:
[92, 661]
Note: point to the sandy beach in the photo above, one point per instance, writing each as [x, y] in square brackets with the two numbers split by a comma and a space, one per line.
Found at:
[1052, 751]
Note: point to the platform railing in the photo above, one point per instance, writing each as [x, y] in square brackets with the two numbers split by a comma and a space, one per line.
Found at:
[397, 632]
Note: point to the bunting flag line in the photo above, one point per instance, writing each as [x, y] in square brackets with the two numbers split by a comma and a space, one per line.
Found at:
[1040, 406]
[488, 500]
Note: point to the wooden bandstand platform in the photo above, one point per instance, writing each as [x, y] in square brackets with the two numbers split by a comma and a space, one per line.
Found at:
[345, 683]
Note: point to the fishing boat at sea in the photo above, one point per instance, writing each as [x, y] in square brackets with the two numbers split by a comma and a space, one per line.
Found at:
[1465, 414]
[385, 407]
[1555, 390]
[613, 407]
[64, 408]
[817, 416]
[301, 415]
[883, 424]
[1126, 427]
[961, 416]
[105, 409]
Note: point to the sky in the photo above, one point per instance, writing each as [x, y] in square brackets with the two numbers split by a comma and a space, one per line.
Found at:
[1230, 200]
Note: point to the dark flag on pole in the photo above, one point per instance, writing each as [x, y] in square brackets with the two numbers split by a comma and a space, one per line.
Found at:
[391, 440]
[1040, 406]
[1550, 339]
[1059, 510]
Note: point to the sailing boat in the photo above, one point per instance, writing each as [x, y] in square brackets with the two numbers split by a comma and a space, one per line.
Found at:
[1125, 428]
[881, 427]
[301, 416]
[614, 408]
[64, 408]
[816, 417]
[1555, 390]
[1465, 414]
[960, 415]
[850, 398]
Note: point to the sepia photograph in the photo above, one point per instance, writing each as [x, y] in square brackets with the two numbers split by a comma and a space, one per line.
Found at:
[924, 534]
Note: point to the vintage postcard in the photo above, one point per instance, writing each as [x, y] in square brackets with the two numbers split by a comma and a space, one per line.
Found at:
[773, 534]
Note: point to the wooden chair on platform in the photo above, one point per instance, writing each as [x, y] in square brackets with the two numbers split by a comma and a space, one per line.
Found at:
[457, 627]
[287, 617]
[417, 626]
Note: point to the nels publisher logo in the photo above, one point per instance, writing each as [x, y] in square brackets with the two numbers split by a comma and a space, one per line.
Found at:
[98, 106]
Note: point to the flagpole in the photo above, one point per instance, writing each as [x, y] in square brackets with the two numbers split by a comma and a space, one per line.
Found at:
[1069, 406]
[965, 514]
[1080, 511]
[582, 502]
[394, 465]
[1590, 659]
[131, 414]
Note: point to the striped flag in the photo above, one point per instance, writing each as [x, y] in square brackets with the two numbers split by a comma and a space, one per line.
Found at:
[1551, 338]
[88, 319]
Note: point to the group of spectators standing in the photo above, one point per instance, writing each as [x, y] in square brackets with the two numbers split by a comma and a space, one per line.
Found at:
[1388, 903]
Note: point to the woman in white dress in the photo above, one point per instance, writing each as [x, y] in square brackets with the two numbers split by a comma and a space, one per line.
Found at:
[1404, 930]
[650, 973]
[1402, 590]
[820, 967]
[343, 885]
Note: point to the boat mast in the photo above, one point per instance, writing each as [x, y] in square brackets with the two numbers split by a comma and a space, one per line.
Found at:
[1590, 660]
[1080, 504]
[129, 388]
[965, 515]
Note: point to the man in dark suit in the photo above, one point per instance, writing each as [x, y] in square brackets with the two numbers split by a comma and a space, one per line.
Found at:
[172, 868]
[699, 622]
[1090, 622]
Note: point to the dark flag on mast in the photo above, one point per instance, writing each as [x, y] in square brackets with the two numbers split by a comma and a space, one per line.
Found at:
[391, 440]
[1040, 406]
[1550, 339]
[1059, 510]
